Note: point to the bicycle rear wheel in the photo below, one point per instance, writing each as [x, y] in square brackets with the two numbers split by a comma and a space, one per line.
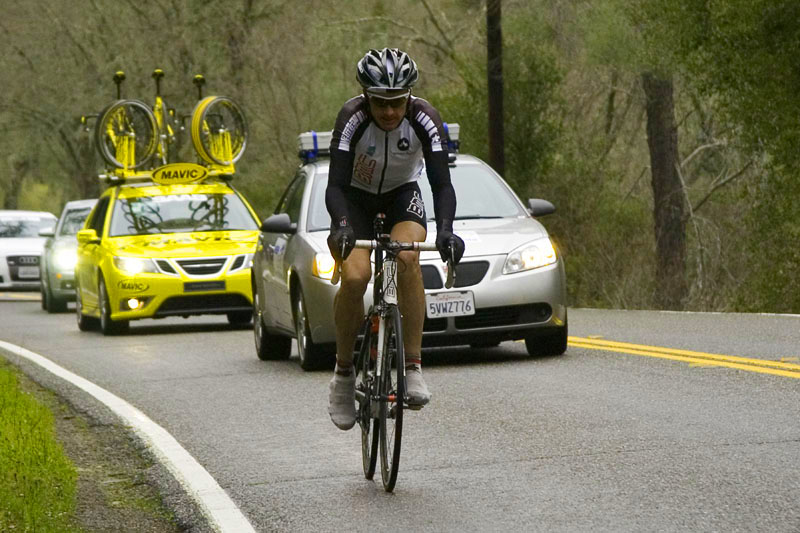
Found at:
[219, 130]
[365, 388]
[392, 388]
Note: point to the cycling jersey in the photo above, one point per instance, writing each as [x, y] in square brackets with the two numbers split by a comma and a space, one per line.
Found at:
[365, 157]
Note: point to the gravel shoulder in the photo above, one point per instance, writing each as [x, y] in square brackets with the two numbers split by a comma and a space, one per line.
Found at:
[120, 486]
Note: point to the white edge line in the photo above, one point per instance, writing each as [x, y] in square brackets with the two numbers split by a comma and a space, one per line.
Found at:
[213, 501]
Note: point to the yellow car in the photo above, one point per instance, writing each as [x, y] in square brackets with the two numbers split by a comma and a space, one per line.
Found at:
[150, 250]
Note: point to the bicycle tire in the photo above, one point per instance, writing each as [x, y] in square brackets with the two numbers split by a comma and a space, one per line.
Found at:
[139, 124]
[392, 388]
[365, 385]
[218, 114]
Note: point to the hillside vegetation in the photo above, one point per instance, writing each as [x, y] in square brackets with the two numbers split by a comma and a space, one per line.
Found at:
[592, 91]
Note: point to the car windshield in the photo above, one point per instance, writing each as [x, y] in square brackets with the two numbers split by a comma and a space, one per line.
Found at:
[180, 213]
[480, 195]
[15, 226]
[73, 221]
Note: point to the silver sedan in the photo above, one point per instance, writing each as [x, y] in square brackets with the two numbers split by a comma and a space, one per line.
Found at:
[510, 283]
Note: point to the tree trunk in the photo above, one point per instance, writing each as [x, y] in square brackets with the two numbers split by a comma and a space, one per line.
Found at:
[494, 47]
[668, 198]
[19, 169]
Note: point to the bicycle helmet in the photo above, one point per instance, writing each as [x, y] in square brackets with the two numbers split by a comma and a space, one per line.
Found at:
[389, 73]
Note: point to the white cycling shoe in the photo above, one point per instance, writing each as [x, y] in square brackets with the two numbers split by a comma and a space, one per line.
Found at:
[416, 389]
[342, 400]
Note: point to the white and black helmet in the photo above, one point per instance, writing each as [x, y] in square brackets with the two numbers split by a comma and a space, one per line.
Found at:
[383, 72]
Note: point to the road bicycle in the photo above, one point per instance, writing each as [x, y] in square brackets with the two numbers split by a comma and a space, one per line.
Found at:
[219, 129]
[380, 360]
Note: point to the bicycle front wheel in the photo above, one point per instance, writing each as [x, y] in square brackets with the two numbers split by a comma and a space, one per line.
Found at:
[126, 134]
[392, 387]
[365, 389]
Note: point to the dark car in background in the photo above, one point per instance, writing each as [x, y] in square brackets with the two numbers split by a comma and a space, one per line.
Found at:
[61, 254]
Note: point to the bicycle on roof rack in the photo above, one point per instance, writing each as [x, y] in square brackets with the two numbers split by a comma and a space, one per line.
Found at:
[133, 138]
[380, 361]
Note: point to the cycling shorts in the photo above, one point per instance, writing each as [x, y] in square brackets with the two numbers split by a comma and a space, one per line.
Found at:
[400, 204]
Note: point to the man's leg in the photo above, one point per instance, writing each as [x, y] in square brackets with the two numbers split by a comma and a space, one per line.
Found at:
[348, 305]
[348, 310]
[411, 300]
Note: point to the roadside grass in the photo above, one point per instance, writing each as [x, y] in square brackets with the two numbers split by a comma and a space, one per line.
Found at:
[37, 480]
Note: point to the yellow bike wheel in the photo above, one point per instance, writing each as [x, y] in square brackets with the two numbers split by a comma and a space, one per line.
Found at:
[126, 134]
[219, 130]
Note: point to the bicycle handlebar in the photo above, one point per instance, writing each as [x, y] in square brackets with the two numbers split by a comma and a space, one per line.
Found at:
[367, 244]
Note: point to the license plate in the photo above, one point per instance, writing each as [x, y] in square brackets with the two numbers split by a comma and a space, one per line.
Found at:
[444, 304]
[28, 272]
[199, 286]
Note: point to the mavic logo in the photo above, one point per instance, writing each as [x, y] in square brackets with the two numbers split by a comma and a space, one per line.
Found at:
[179, 173]
[132, 285]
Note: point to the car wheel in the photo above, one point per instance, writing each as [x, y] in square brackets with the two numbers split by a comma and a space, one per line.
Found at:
[107, 325]
[85, 323]
[49, 302]
[239, 318]
[44, 290]
[311, 355]
[268, 347]
[551, 344]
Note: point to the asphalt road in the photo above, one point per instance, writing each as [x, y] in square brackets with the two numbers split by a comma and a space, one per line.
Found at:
[594, 440]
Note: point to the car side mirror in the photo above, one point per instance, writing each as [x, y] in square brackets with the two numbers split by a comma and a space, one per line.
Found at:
[539, 208]
[88, 236]
[47, 232]
[280, 223]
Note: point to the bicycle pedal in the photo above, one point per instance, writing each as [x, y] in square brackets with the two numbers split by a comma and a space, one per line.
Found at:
[414, 406]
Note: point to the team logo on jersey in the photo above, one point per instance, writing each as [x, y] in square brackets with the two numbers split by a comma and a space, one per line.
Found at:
[403, 144]
[371, 150]
[417, 207]
[364, 169]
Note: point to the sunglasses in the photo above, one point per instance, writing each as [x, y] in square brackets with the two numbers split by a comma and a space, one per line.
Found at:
[383, 103]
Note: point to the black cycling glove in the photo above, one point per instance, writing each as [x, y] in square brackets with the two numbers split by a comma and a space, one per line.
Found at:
[341, 240]
[445, 238]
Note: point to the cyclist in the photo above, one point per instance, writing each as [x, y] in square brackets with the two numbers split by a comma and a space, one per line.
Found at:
[382, 140]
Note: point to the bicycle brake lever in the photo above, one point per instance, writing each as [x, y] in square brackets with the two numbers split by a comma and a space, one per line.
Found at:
[451, 270]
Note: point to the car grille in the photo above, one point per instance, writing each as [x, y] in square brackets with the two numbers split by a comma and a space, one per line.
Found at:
[22, 260]
[164, 265]
[15, 262]
[202, 267]
[238, 262]
[505, 316]
[203, 304]
[467, 274]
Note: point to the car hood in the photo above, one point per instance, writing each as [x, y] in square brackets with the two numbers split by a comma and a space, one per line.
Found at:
[481, 236]
[22, 245]
[208, 243]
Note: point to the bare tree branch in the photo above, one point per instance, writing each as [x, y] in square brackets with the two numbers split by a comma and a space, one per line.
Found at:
[720, 184]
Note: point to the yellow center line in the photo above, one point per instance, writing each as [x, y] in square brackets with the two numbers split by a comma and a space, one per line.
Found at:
[762, 366]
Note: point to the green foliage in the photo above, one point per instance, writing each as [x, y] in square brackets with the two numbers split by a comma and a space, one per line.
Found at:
[37, 482]
[574, 111]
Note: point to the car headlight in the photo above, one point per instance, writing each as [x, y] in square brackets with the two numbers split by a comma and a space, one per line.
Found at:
[323, 265]
[535, 254]
[135, 265]
[65, 259]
